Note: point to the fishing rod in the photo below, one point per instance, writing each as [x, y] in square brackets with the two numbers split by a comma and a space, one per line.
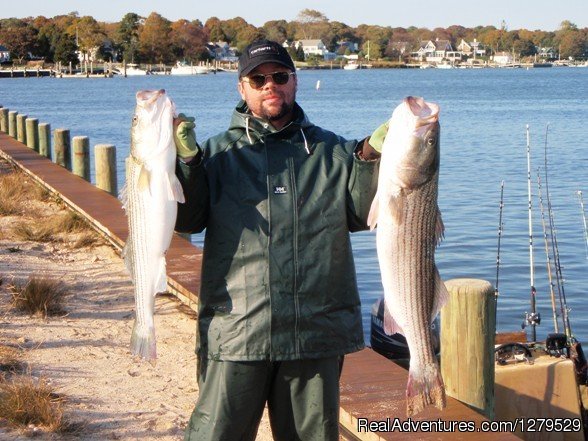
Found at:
[532, 319]
[555, 251]
[500, 227]
[584, 219]
[548, 256]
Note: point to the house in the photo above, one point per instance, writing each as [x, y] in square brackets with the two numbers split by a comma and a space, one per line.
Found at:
[343, 45]
[436, 51]
[311, 47]
[546, 52]
[222, 51]
[4, 54]
[503, 58]
[471, 49]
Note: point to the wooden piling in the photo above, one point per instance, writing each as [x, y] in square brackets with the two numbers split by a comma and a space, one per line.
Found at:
[105, 158]
[21, 133]
[32, 128]
[4, 119]
[468, 327]
[45, 139]
[62, 147]
[81, 157]
[12, 123]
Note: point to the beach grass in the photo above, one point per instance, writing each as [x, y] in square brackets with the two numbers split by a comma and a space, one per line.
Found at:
[34, 231]
[10, 361]
[39, 296]
[31, 404]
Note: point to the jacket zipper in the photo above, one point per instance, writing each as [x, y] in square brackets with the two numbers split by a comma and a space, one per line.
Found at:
[269, 239]
[295, 249]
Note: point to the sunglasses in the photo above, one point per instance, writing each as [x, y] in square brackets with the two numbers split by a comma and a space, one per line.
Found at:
[258, 81]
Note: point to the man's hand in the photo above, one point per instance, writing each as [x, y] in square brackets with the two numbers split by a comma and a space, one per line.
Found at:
[185, 136]
[377, 138]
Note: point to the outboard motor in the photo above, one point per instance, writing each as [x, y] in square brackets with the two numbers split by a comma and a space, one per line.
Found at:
[394, 346]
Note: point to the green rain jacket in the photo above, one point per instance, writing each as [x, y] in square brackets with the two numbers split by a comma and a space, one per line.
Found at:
[278, 278]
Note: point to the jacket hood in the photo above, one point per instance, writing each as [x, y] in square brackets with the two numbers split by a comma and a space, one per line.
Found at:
[243, 119]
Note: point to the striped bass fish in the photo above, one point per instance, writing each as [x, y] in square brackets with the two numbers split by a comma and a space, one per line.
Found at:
[409, 228]
[150, 198]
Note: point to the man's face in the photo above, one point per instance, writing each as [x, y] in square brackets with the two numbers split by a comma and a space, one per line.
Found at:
[272, 102]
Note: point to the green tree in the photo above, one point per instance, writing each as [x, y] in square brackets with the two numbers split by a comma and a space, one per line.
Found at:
[215, 30]
[127, 36]
[276, 30]
[65, 49]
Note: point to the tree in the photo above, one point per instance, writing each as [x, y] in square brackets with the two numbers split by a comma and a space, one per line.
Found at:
[311, 24]
[19, 37]
[189, 40]
[276, 30]
[89, 34]
[525, 48]
[65, 49]
[127, 36]
[572, 45]
[154, 39]
[215, 30]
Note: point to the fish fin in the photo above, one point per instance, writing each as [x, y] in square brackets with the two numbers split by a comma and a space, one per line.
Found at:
[441, 295]
[126, 256]
[372, 219]
[439, 228]
[161, 277]
[123, 196]
[143, 179]
[391, 326]
[396, 205]
[176, 191]
[424, 387]
[143, 342]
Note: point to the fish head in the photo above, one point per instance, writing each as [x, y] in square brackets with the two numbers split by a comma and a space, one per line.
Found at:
[152, 123]
[411, 149]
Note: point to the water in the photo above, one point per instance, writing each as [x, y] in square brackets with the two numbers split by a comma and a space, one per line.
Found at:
[483, 118]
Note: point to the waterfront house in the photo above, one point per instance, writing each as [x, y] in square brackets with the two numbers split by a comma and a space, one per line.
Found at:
[311, 47]
[503, 58]
[472, 49]
[4, 54]
[222, 51]
[548, 53]
[436, 51]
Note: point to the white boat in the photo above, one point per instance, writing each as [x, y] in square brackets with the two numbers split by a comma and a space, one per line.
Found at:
[131, 71]
[445, 65]
[352, 65]
[185, 69]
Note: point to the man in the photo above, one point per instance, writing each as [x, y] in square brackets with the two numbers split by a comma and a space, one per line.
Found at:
[279, 305]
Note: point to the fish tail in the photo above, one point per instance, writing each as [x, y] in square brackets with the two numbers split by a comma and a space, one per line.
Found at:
[143, 342]
[425, 387]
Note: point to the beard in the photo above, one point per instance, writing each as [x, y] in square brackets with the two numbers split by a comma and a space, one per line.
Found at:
[277, 114]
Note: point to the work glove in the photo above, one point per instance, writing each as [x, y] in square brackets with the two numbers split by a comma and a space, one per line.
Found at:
[185, 136]
[377, 138]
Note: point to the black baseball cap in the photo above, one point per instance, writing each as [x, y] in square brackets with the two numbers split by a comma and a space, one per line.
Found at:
[263, 51]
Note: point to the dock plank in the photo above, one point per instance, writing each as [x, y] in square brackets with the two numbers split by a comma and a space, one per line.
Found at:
[372, 387]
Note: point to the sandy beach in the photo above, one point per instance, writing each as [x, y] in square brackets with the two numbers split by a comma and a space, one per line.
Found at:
[84, 354]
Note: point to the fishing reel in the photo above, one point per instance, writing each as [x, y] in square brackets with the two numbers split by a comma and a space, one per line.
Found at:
[531, 319]
[510, 353]
[557, 345]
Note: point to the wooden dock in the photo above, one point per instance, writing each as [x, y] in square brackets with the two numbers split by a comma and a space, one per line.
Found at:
[372, 387]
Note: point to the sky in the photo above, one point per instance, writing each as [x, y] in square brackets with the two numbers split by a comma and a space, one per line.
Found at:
[517, 14]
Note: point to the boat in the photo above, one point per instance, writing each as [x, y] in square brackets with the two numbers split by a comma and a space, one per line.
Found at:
[131, 70]
[426, 66]
[352, 65]
[394, 346]
[188, 69]
[445, 65]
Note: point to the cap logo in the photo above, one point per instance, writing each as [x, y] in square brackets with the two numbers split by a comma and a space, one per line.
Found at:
[262, 51]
